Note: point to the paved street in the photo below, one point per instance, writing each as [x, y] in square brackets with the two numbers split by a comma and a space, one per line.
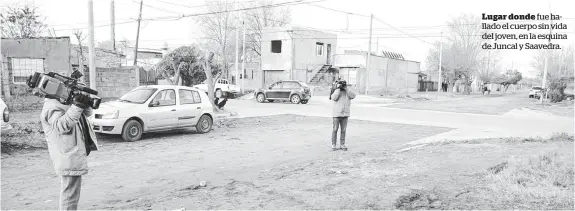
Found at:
[466, 126]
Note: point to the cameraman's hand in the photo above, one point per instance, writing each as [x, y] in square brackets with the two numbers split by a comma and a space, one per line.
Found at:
[82, 101]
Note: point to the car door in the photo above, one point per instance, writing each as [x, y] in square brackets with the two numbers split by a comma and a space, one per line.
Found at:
[286, 89]
[273, 91]
[162, 110]
[189, 108]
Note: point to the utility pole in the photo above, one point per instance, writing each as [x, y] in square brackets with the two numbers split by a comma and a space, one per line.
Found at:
[377, 45]
[544, 82]
[138, 35]
[292, 69]
[243, 53]
[2, 74]
[237, 47]
[439, 82]
[112, 25]
[91, 49]
[368, 56]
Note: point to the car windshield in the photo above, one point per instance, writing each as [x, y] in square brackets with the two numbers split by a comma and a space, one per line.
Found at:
[537, 88]
[138, 95]
[303, 84]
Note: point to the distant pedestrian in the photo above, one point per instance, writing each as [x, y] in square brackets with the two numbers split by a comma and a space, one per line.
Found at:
[342, 97]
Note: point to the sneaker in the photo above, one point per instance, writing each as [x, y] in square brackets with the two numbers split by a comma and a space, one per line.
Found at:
[342, 147]
[333, 147]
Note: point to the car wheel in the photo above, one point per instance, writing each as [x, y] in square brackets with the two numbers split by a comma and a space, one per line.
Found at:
[530, 96]
[304, 102]
[261, 98]
[204, 124]
[295, 99]
[132, 131]
[218, 93]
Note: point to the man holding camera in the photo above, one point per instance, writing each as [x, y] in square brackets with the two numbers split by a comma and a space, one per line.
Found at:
[342, 97]
[70, 139]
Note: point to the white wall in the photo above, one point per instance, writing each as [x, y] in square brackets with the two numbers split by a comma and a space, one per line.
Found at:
[306, 58]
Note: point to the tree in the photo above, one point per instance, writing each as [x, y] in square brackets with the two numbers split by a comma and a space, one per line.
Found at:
[258, 19]
[22, 22]
[508, 78]
[80, 38]
[462, 52]
[219, 28]
[560, 63]
[560, 70]
[185, 64]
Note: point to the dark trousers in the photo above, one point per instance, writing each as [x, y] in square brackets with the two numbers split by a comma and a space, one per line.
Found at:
[337, 123]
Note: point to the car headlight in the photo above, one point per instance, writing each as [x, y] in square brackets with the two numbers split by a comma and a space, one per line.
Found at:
[6, 115]
[111, 115]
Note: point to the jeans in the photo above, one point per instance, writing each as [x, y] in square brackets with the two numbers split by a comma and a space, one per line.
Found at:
[337, 122]
[70, 192]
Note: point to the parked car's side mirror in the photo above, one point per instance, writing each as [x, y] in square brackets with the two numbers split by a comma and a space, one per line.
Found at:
[154, 103]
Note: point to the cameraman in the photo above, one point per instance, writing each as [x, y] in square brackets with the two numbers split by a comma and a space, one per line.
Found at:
[70, 139]
[342, 97]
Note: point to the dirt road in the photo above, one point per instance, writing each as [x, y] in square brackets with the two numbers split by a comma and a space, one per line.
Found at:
[165, 167]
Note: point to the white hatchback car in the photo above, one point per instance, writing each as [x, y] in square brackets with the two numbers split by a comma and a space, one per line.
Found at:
[154, 108]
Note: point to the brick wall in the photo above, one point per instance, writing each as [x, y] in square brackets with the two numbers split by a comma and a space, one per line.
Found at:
[55, 51]
[114, 82]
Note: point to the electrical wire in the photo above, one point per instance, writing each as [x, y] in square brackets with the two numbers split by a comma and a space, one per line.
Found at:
[156, 8]
[349, 13]
[400, 30]
[197, 6]
[296, 2]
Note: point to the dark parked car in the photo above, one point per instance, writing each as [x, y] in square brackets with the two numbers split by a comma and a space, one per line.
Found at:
[294, 91]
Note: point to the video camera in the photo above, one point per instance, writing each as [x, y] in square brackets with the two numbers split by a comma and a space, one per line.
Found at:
[340, 84]
[63, 88]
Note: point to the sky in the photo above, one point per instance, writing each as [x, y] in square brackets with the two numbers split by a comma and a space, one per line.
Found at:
[405, 26]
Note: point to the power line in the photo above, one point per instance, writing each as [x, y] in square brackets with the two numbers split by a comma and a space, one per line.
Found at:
[156, 8]
[349, 13]
[72, 29]
[297, 2]
[197, 6]
[401, 30]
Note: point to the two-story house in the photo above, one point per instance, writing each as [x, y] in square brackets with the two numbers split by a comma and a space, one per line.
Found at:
[296, 53]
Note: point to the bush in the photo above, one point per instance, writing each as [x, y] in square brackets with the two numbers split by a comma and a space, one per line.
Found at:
[555, 96]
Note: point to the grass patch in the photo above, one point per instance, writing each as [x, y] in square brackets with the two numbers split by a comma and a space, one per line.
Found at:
[539, 182]
[556, 137]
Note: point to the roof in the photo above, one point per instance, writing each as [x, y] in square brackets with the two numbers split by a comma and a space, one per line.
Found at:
[392, 55]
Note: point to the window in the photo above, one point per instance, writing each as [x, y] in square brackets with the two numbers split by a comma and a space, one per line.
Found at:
[276, 46]
[319, 48]
[197, 98]
[290, 85]
[186, 97]
[276, 85]
[22, 69]
[138, 95]
[165, 98]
